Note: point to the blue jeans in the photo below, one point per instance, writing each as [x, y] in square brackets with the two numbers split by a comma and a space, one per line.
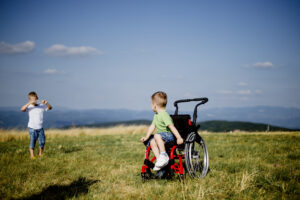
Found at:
[36, 134]
[166, 136]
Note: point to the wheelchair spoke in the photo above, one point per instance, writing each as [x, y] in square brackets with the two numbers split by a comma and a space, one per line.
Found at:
[196, 154]
[197, 158]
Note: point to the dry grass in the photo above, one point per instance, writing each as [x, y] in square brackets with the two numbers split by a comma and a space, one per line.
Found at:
[13, 134]
[90, 163]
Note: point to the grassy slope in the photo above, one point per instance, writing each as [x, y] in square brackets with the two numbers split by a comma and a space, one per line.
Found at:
[94, 165]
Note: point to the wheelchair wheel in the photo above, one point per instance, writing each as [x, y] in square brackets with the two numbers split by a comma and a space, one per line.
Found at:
[196, 156]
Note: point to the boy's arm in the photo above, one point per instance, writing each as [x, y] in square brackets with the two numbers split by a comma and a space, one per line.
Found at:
[47, 104]
[24, 108]
[149, 132]
[176, 133]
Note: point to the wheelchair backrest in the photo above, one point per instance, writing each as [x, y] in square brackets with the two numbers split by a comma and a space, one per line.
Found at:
[183, 124]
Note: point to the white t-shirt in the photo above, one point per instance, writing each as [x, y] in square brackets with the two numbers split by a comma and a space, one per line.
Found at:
[36, 114]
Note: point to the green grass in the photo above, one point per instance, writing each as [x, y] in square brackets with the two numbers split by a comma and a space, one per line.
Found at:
[242, 166]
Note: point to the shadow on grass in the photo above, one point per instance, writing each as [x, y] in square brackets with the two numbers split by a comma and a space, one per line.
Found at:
[70, 150]
[57, 192]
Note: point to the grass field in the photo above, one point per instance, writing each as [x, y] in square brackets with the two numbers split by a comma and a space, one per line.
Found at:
[106, 164]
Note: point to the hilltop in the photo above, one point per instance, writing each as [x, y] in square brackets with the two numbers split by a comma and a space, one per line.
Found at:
[212, 126]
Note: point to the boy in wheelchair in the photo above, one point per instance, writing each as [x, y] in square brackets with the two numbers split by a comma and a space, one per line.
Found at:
[166, 133]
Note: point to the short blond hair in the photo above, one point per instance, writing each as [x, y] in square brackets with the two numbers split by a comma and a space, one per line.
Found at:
[160, 98]
[33, 94]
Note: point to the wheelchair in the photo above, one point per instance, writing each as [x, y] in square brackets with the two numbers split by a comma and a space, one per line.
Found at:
[191, 156]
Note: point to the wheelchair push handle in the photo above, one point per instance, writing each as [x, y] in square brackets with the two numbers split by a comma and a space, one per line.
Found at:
[203, 101]
[188, 100]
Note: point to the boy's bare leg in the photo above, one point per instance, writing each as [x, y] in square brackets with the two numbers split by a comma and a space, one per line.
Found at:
[31, 153]
[163, 158]
[154, 148]
[160, 143]
[41, 151]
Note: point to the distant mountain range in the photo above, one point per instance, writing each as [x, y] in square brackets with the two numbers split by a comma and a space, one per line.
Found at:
[12, 117]
[213, 126]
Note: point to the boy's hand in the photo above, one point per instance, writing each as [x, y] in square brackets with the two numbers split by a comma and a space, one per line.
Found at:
[179, 140]
[44, 102]
[143, 139]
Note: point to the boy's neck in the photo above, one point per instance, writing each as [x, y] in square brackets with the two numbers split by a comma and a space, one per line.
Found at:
[160, 109]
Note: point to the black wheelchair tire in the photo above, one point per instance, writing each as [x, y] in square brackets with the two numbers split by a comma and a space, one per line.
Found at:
[194, 169]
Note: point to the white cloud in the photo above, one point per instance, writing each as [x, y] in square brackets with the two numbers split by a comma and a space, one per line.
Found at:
[244, 98]
[244, 92]
[62, 50]
[258, 91]
[266, 64]
[225, 92]
[52, 71]
[188, 95]
[242, 84]
[261, 65]
[23, 47]
[179, 77]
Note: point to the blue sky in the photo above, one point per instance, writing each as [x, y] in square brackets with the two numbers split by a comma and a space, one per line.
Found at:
[115, 54]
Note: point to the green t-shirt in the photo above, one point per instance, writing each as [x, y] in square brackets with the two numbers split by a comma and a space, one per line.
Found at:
[161, 121]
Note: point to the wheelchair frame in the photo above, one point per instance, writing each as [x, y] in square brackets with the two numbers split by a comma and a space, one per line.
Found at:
[189, 132]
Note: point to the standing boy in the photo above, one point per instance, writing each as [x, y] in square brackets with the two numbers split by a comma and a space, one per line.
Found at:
[35, 123]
